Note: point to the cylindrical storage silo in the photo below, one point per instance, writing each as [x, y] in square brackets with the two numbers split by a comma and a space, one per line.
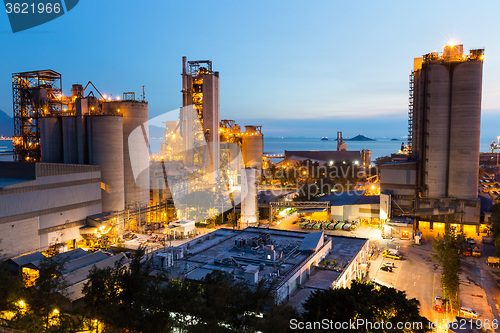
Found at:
[105, 144]
[437, 128]
[70, 140]
[136, 169]
[77, 91]
[252, 149]
[249, 212]
[465, 129]
[51, 144]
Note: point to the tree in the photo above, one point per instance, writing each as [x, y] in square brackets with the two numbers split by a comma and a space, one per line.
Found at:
[365, 302]
[381, 160]
[127, 298]
[448, 248]
[46, 299]
[11, 286]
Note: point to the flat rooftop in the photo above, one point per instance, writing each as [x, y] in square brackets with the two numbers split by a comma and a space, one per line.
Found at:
[233, 251]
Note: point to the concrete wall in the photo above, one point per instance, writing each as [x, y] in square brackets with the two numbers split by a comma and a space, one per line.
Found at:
[302, 272]
[49, 209]
[355, 212]
[19, 236]
[353, 271]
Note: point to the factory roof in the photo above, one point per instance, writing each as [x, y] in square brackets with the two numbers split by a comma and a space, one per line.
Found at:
[77, 278]
[312, 241]
[344, 249]
[26, 259]
[67, 256]
[325, 155]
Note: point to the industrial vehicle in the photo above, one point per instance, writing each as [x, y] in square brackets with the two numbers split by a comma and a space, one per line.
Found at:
[393, 254]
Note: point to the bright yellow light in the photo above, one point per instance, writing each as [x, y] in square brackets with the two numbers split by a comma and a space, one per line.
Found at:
[452, 43]
[22, 304]
[117, 98]
[56, 311]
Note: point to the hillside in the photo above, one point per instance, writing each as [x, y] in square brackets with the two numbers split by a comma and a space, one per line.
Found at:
[6, 125]
[360, 137]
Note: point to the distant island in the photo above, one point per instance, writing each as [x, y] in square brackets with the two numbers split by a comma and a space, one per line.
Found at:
[324, 139]
[360, 138]
[394, 139]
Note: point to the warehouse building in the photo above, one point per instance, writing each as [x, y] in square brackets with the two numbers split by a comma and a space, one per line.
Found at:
[45, 204]
[291, 260]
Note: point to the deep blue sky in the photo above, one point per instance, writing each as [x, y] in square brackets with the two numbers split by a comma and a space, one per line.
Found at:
[306, 68]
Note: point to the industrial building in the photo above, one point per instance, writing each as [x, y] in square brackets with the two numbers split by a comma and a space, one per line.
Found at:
[289, 259]
[81, 129]
[354, 206]
[78, 264]
[294, 158]
[44, 204]
[199, 116]
[203, 153]
[438, 181]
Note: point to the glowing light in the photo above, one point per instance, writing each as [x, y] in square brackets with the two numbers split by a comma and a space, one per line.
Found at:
[22, 304]
[56, 311]
[117, 98]
[452, 43]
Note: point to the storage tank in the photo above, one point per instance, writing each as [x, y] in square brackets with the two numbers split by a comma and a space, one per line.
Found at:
[436, 151]
[70, 140]
[135, 115]
[249, 210]
[465, 129]
[51, 143]
[105, 144]
[77, 91]
[252, 148]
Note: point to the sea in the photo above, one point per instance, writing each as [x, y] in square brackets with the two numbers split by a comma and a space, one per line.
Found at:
[272, 145]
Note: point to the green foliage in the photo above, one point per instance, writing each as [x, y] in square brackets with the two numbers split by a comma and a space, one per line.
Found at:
[11, 286]
[128, 299]
[381, 160]
[46, 299]
[448, 253]
[364, 301]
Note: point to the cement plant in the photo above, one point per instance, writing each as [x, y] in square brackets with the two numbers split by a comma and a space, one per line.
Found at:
[84, 187]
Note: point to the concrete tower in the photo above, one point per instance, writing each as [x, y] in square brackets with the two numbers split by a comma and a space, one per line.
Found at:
[200, 115]
[446, 122]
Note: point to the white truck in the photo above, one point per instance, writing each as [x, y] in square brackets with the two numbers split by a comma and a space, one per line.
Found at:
[418, 237]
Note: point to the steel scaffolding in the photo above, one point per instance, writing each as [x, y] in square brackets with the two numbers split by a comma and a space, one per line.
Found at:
[35, 94]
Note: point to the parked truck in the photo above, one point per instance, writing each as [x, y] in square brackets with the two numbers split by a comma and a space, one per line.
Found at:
[493, 262]
[418, 237]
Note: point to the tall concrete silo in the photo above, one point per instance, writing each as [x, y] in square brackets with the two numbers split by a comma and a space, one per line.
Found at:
[446, 122]
[105, 144]
[436, 151]
[252, 147]
[51, 140]
[465, 125]
[135, 115]
[249, 207]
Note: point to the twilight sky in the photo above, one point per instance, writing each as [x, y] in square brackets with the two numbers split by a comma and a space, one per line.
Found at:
[307, 68]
